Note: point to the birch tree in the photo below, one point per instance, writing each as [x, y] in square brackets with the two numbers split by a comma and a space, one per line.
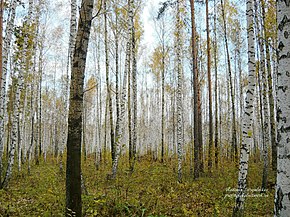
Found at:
[282, 202]
[73, 29]
[5, 52]
[247, 128]
[1, 38]
[109, 95]
[134, 96]
[119, 133]
[73, 168]
[179, 91]
[234, 149]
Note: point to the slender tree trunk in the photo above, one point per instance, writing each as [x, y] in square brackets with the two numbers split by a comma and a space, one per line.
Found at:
[73, 30]
[119, 134]
[117, 82]
[73, 168]
[5, 52]
[1, 39]
[282, 202]
[130, 116]
[134, 96]
[179, 92]
[1, 83]
[195, 93]
[270, 92]
[110, 107]
[14, 131]
[105, 131]
[84, 124]
[234, 150]
[200, 136]
[266, 139]
[162, 102]
[210, 146]
[216, 153]
[247, 128]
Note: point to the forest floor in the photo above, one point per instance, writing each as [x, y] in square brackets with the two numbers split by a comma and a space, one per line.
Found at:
[151, 190]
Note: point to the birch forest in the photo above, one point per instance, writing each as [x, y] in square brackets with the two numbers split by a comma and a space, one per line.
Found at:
[141, 108]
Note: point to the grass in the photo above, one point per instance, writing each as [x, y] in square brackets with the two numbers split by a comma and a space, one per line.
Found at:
[151, 190]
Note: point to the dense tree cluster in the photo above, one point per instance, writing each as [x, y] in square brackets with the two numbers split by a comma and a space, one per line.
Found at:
[207, 90]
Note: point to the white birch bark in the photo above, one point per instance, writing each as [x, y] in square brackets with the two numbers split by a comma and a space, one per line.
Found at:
[247, 128]
[266, 119]
[14, 131]
[134, 83]
[6, 49]
[119, 133]
[73, 29]
[282, 195]
[179, 92]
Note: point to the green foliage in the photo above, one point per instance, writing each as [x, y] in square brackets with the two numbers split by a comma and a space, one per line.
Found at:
[151, 190]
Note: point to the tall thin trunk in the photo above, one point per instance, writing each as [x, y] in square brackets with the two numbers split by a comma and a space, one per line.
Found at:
[1, 78]
[210, 145]
[130, 116]
[73, 30]
[5, 52]
[195, 93]
[105, 131]
[216, 153]
[14, 137]
[200, 136]
[84, 124]
[110, 107]
[282, 203]
[270, 92]
[162, 102]
[266, 139]
[179, 92]
[119, 134]
[73, 168]
[117, 81]
[134, 90]
[32, 134]
[234, 150]
[248, 116]
[1, 39]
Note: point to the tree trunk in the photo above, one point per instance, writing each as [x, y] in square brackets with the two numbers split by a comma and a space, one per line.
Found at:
[210, 145]
[117, 82]
[134, 96]
[282, 202]
[1, 39]
[216, 153]
[248, 119]
[265, 108]
[110, 107]
[14, 131]
[119, 134]
[5, 52]
[234, 149]
[179, 92]
[270, 92]
[196, 171]
[73, 168]
[73, 30]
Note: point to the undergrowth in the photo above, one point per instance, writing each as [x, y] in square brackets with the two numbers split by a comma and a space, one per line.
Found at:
[151, 190]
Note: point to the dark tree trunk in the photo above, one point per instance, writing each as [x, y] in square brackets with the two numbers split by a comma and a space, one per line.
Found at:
[210, 145]
[73, 169]
[195, 93]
